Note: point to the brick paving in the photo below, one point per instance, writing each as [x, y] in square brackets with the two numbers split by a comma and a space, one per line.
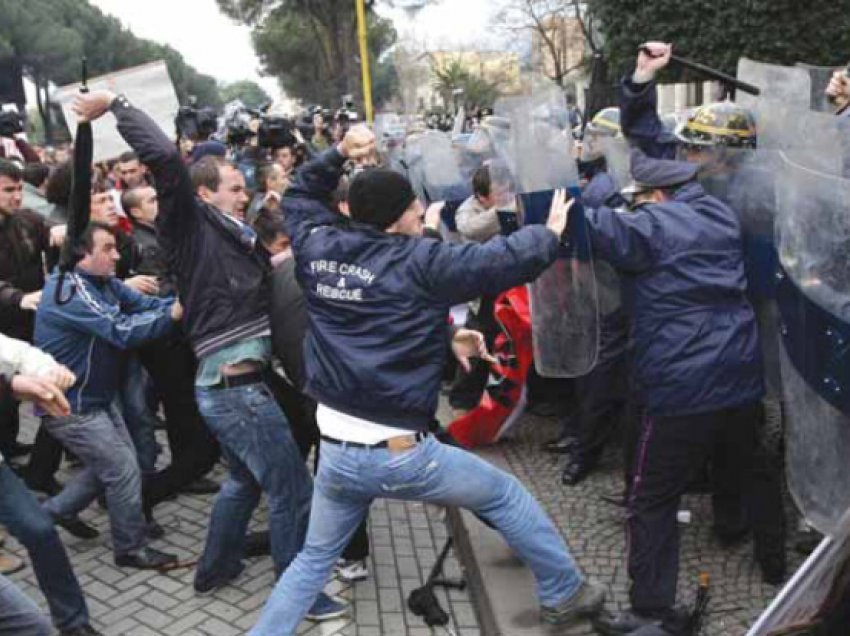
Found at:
[595, 533]
[405, 540]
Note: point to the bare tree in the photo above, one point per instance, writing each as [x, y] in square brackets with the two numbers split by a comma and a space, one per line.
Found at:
[547, 21]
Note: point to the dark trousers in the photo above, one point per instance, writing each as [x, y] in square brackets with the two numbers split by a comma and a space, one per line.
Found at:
[11, 424]
[300, 410]
[467, 388]
[602, 399]
[194, 451]
[670, 451]
[31, 525]
[45, 458]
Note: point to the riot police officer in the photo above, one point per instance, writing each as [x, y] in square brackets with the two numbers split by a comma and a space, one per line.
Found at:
[696, 358]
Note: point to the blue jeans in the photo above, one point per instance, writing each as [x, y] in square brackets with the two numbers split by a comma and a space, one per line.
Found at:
[101, 441]
[22, 515]
[138, 415]
[349, 478]
[19, 616]
[262, 456]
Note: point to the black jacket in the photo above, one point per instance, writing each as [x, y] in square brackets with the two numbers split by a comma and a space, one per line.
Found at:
[24, 241]
[289, 321]
[151, 259]
[222, 279]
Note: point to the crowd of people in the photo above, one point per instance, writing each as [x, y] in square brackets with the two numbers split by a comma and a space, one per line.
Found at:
[293, 303]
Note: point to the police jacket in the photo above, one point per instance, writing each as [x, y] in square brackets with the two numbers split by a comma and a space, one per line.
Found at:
[640, 122]
[89, 332]
[378, 302]
[221, 272]
[694, 332]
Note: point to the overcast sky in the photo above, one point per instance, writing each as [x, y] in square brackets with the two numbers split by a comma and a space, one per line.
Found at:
[215, 45]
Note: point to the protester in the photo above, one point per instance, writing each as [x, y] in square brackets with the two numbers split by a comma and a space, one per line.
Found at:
[171, 365]
[34, 376]
[86, 319]
[222, 280]
[375, 413]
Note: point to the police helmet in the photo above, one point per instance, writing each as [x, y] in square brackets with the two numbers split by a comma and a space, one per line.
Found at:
[719, 124]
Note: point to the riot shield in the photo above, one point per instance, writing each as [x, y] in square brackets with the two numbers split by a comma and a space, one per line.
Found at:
[813, 294]
[819, 77]
[564, 306]
[618, 161]
[435, 173]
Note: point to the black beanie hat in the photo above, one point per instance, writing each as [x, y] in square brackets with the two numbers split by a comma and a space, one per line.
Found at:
[379, 197]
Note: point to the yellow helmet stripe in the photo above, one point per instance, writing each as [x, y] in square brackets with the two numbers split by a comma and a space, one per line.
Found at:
[714, 130]
[604, 123]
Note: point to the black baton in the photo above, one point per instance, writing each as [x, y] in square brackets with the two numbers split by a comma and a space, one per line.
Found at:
[712, 73]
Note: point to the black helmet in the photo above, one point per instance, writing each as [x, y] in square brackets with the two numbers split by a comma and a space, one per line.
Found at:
[719, 124]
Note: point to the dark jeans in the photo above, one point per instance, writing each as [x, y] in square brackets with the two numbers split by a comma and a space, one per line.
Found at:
[32, 526]
[138, 414]
[101, 441]
[194, 451]
[262, 456]
[19, 616]
[601, 404]
[45, 458]
[670, 451]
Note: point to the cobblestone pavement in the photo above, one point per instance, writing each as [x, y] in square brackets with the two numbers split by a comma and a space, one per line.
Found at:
[405, 540]
[595, 533]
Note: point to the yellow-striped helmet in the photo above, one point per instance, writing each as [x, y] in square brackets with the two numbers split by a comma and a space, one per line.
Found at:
[719, 124]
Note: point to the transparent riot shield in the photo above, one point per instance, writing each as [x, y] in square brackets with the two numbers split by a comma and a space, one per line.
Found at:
[819, 77]
[813, 295]
[564, 305]
[617, 159]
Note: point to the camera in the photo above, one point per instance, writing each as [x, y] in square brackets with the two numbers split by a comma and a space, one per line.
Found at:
[11, 123]
[197, 124]
[276, 132]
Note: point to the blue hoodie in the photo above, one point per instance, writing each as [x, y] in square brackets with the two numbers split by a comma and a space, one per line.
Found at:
[89, 332]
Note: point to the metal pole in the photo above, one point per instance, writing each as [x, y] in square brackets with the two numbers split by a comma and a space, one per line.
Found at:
[364, 60]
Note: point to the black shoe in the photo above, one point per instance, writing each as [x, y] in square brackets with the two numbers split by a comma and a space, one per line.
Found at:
[576, 471]
[77, 527]
[145, 559]
[560, 445]
[154, 530]
[257, 544]
[626, 622]
[208, 587]
[773, 563]
[202, 486]
[84, 630]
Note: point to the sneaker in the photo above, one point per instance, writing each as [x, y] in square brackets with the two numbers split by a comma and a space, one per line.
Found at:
[208, 588]
[586, 602]
[351, 571]
[146, 558]
[326, 608]
[9, 563]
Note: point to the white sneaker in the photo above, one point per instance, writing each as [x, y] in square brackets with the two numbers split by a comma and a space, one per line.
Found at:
[351, 571]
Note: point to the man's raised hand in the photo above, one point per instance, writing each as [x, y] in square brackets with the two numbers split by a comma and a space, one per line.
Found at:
[652, 57]
[90, 106]
[559, 212]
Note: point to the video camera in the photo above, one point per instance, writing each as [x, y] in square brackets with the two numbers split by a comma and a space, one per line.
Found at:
[274, 131]
[11, 123]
